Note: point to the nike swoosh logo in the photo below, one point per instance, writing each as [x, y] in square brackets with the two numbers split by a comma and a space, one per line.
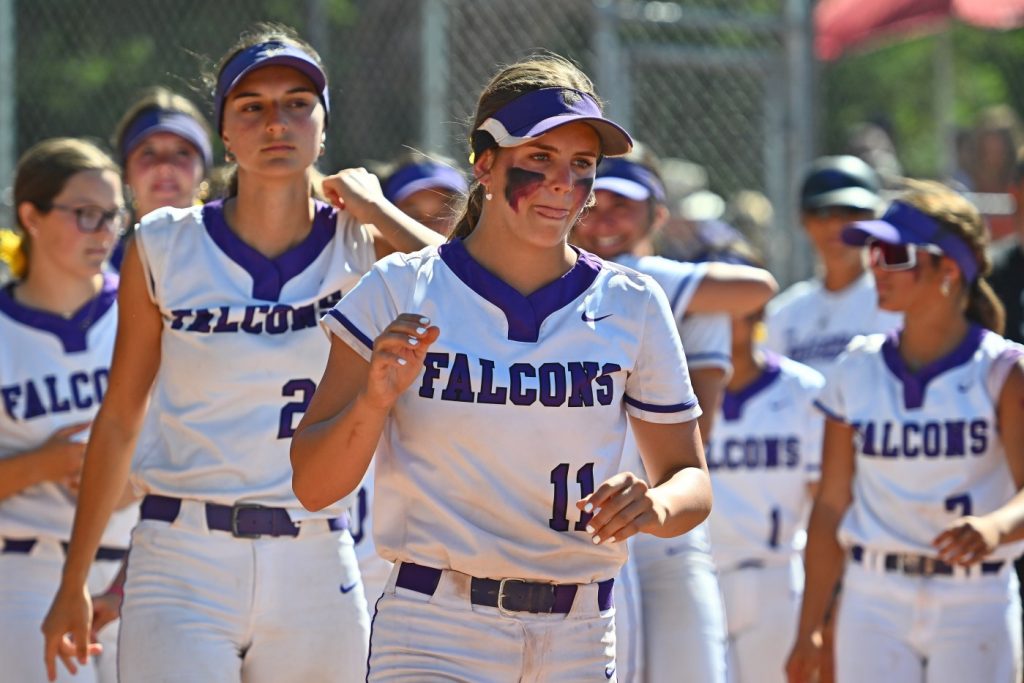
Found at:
[609, 671]
[964, 388]
[589, 319]
[348, 588]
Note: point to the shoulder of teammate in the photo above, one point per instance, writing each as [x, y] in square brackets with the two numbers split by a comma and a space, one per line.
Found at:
[792, 297]
[170, 218]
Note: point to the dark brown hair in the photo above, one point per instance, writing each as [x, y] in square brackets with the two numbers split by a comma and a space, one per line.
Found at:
[959, 216]
[533, 73]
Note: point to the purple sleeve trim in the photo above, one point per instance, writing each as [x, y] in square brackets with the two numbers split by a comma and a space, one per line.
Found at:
[650, 407]
[350, 326]
[828, 413]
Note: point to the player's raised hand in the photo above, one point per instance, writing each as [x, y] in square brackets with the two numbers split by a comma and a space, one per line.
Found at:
[622, 506]
[398, 358]
[967, 540]
[66, 632]
[355, 190]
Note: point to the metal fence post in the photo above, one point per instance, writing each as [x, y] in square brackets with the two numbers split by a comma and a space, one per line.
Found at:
[8, 108]
[610, 63]
[435, 76]
[799, 131]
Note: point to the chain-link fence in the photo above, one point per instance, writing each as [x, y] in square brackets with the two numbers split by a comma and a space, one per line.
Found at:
[721, 83]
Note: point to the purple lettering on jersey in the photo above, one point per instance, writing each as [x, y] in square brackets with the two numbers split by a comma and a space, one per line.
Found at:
[751, 454]
[78, 378]
[432, 364]
[33, 404]
[178, 318]
[203, 317]
[889, 449]
[581, 377]
[328, 302]
[488, 394]
[10, 395]
[277, 319]
[57, 404]
[460, 385]
[771, 453]
[955, 445]
[605, 391]
[519, 184]
[223, 323]
[768, 453]
[100, 382]
[792, 451]
[932, 440]
[249, 323]
[552, 384]
[516, 374]
[303, 317]
[979, 437]
[909, 450]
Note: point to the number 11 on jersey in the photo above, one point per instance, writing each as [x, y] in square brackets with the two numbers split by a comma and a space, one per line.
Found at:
[560, 505]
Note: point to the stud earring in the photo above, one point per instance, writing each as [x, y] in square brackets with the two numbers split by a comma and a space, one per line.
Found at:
[944, 287]
[229, 156]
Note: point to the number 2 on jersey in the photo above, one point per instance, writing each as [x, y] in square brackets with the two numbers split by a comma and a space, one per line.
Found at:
[303, 390]
[560, 505]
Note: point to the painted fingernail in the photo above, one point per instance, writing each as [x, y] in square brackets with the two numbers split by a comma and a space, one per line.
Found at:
[589, 507]
[597, 539]
[402, 361]
[590, 529]
[413, 341]
[424, 320]
[421, 330]
[611, 539]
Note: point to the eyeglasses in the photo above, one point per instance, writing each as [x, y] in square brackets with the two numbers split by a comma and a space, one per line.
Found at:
[92, 218]
[895, 257]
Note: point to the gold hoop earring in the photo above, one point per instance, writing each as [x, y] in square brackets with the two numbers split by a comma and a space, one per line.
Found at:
[229, 156]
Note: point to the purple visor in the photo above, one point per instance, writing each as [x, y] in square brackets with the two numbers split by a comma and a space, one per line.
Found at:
[534, 113]
[270, 53]
[905, 224]
[629, 179]
[152, 121]
[428, 175]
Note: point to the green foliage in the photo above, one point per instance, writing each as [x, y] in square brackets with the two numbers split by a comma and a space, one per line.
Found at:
[897, 82]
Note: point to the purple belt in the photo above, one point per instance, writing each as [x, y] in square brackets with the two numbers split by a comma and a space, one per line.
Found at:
[242, 520]
[921, 565]
[23, 546]
[508, 595]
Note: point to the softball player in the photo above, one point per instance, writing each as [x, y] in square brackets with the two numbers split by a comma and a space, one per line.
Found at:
[57, 324]
[229, 578]
[426, 189]
[675, 618]
[164, 147]
[500, 450]
[813, 321]
[763, 458]
[923, 465]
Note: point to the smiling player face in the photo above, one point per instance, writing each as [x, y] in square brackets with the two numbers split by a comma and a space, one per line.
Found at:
[541, 187]
[614, 225]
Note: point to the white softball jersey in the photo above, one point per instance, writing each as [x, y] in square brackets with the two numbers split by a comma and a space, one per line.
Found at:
[53, 374]
[765, 450]
[927, 445]
[811, 325]
[519, 412]
[241, 351]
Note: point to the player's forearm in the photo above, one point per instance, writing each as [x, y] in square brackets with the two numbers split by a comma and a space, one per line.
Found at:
[329, 458]
[823, 565]
[733, 289]
[1009, 519]
[20, 471]
[104, 478]
[685, 499]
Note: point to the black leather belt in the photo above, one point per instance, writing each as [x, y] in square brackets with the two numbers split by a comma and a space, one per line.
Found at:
[508, 595]
[922, 565]
[243, 520]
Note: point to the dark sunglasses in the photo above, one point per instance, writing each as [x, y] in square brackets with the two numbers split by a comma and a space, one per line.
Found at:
[889, 256]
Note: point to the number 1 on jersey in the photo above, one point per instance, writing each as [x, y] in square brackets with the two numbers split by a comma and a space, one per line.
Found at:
[560, 505]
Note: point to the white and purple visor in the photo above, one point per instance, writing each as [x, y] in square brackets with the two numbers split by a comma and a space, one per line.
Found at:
[152, 121]
[630, 180]
[906, 224]
[270, 53]
[534, 113]
[428, 175]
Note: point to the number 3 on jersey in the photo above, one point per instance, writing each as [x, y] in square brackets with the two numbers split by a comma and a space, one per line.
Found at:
[302, 390]
[560, 505]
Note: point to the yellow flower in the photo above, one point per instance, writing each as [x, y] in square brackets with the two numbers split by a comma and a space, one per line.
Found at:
[11, 252]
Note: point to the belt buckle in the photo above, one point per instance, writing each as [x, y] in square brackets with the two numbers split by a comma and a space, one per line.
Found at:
[501, 596]
[235, 510]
